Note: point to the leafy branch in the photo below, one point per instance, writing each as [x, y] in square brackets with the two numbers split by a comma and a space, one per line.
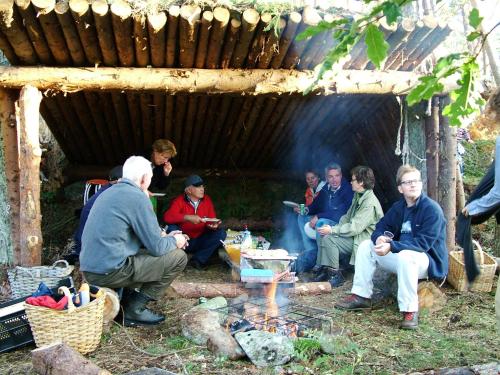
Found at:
[346, 32]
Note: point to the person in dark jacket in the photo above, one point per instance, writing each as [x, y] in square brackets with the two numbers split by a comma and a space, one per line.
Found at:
[410, 240]
[161, 155]
[114, 175]
[327, 208]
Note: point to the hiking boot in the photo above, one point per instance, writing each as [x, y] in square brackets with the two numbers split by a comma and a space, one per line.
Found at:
[354, 302]
[336, 279]
[323, 274]
[410, 320]
[316, 268]
[136, 312]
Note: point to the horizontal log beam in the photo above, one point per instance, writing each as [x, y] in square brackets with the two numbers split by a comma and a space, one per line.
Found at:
[207, 81]
[84, 172]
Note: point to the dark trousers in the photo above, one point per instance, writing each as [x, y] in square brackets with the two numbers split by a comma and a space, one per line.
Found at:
[204, 246]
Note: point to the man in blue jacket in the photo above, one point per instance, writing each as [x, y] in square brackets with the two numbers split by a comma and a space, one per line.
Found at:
[327, 208]
[410, 241]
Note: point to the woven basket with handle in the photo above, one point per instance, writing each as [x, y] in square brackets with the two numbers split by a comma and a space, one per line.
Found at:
[78, 327]
[25, 280]
[458, 278]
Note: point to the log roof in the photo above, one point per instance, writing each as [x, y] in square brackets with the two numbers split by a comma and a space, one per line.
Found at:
[210, 131]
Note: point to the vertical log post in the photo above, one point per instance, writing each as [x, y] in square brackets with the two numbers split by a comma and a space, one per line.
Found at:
[447, 173]
[29, 155]
[10, 228]
[432, 148]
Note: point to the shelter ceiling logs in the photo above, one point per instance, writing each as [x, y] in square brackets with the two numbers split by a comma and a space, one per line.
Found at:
[103, 127]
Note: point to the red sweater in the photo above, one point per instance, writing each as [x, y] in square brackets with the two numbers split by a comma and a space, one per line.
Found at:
[181, 206]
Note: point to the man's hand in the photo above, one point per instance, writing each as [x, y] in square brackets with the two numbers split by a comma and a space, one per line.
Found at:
[296, 210]
[167, 168]
[313, 221]
[382, 249]
[325, 230]
[194, 219]
[465, 211]
[382, 239]
[180, 240]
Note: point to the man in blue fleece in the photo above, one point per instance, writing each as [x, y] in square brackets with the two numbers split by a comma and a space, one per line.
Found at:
[417, 249]
[124, 247]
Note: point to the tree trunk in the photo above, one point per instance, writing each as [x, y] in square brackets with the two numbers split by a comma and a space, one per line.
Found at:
[432, 148]
[30, 218]
[59, 359]
[447, 173]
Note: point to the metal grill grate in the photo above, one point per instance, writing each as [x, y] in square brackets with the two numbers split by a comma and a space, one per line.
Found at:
[291, 317]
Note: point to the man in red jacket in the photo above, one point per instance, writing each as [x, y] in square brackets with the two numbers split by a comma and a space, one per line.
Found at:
[193, 212]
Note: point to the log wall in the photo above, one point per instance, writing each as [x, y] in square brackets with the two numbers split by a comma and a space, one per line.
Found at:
[213, 131]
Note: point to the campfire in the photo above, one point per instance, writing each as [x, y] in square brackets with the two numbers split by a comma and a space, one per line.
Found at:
[277, 315]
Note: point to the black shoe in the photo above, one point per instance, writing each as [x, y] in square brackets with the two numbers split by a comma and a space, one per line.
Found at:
[197, 265]
[337, 279]
[136, 312]
[323, 275]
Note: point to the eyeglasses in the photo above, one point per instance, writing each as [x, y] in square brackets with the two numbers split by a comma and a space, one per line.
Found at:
[410, 182]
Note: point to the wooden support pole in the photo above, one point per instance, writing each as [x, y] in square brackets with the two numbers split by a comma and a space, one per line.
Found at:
[11, 166]
[447, 173]
[432, 148]
[30, 218]
[209, 81]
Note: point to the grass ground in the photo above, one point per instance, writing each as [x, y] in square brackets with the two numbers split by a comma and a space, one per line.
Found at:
[462, 333]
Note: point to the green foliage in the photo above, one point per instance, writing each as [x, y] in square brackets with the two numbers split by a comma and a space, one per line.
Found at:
[306, 348]
[474, 18]
[461, 104]
[376, 46]
[177, 342]
[477, 159]
[348, 32]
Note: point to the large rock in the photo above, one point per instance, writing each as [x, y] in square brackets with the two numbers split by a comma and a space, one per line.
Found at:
[264, 348]
[218, 303]
[198, 324]
[221, 343]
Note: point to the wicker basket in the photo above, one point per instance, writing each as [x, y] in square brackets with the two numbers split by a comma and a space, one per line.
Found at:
[25, 280]
[78, 327]
[458, 278]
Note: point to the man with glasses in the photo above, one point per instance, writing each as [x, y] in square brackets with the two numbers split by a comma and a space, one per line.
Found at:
[410, 241]
[193, 212]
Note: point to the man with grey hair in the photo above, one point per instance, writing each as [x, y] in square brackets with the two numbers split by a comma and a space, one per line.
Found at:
[327, 208]
[124, 247]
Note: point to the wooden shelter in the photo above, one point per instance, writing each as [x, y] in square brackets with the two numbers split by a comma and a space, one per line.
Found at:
[224, 86]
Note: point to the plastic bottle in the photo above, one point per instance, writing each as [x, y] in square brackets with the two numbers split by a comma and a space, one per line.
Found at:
[84, 294]
[246, 243]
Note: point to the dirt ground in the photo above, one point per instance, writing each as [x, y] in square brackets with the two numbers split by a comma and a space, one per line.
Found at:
[461, 334]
